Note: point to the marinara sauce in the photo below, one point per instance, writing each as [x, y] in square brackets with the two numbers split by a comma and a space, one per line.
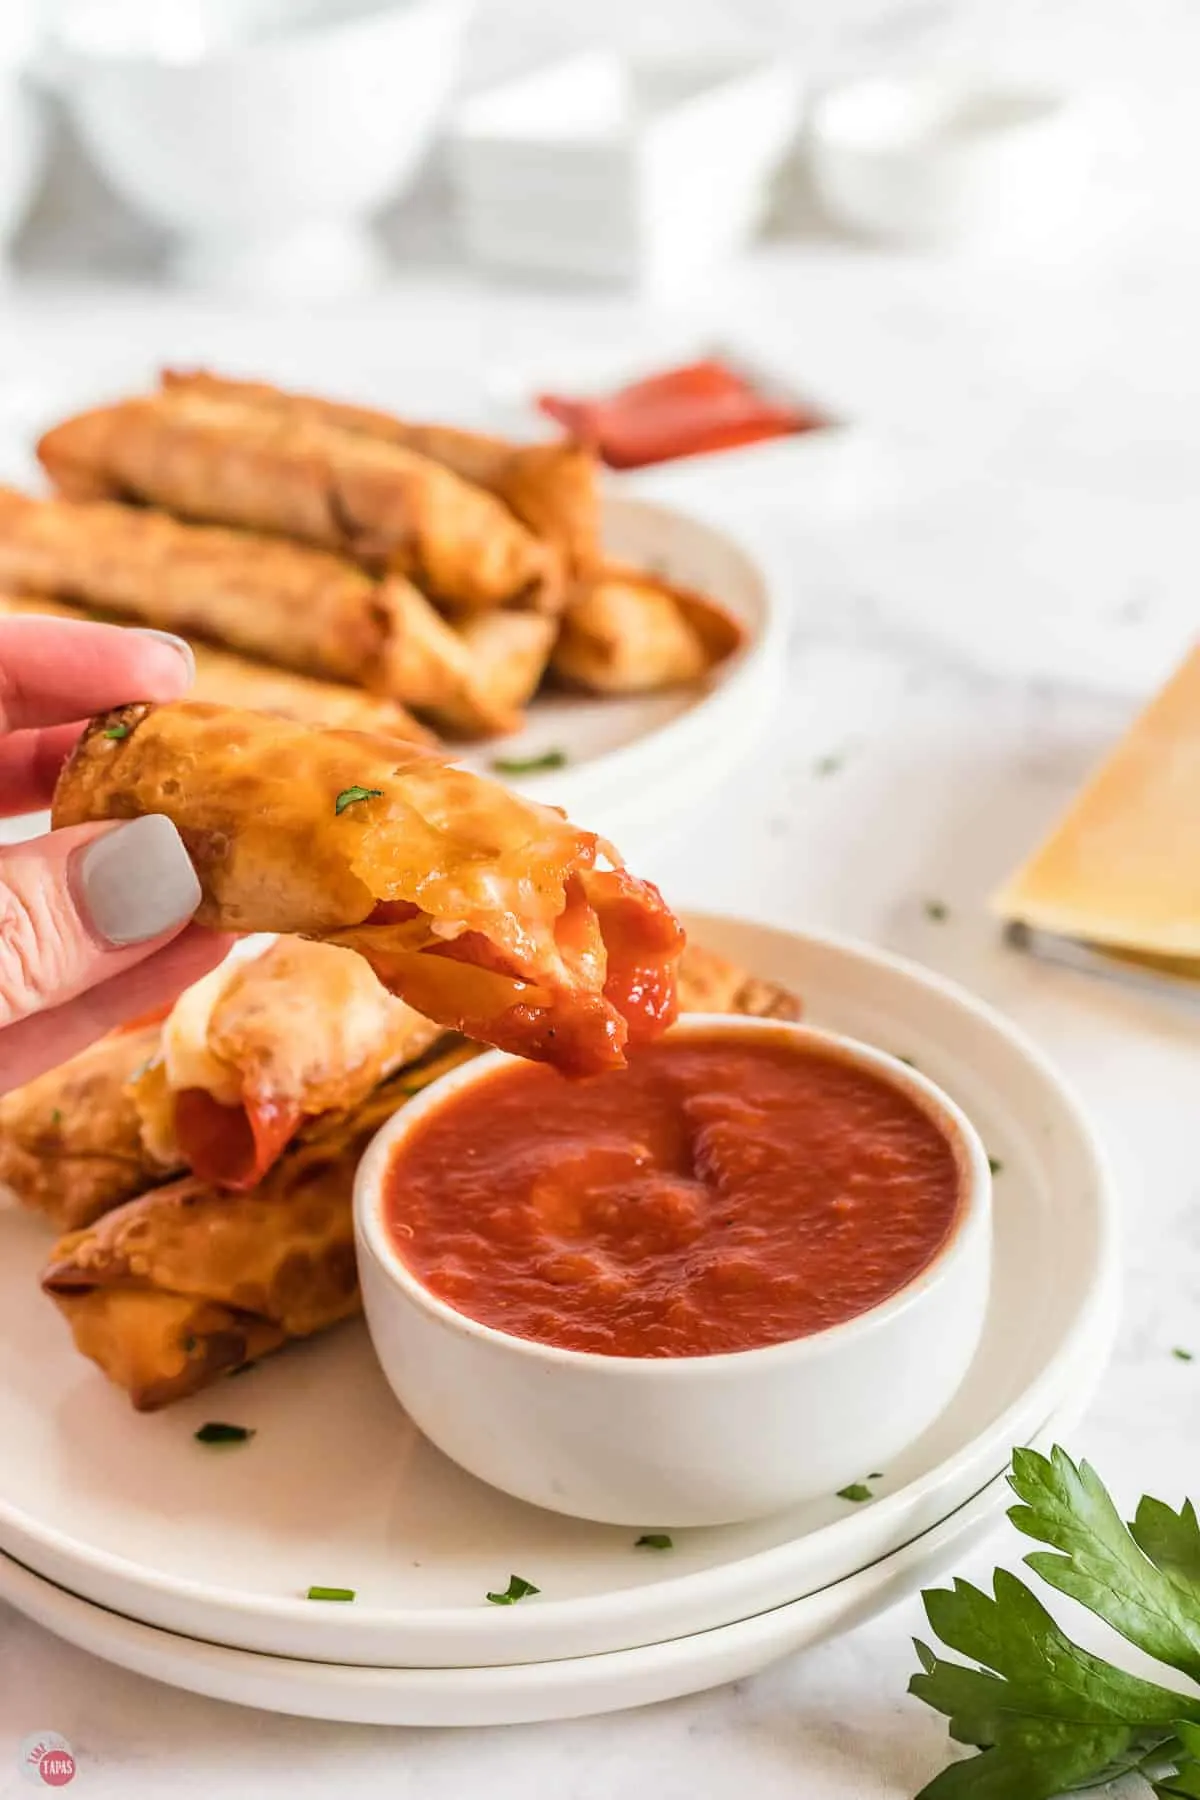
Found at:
[720, 1193]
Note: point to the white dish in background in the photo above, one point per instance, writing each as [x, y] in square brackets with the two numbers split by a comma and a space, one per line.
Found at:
[338, 1488]
[931, 158]
[688, 1440]
[264, 135]
[530, 1693]
[598, 168]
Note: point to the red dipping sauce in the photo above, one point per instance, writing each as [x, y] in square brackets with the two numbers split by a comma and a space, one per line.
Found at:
[720, 1193]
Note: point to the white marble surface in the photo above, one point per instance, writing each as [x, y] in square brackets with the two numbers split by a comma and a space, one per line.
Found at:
[1010, 562]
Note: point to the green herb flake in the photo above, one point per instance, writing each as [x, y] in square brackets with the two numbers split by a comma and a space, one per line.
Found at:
[828, 765]
[1047, 1716]
[116, 731]
[242, 1369]
[1182, 1355]
[858, 1491]
[937, 910]
[217, 1433]
[995, 1165]
[908, 1061]
[529, 765]
[330, 1593]
[654, 1540]
[56, 1116]
[518, 1589]
[351, 795]
[190, 1346]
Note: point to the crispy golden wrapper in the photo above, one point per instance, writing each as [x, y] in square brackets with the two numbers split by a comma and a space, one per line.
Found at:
[484, 910]
[70, 1142]
[380, 503]
[625, 632]
[708, 983]
[190, 1282]
[229, 680]
[552, 488]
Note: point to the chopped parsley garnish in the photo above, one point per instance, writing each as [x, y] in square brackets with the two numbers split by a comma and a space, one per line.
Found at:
[937, 910]
[518, 1589]
[328, 1593]
[116, 731]
[654, 1540]
[242, 1369]
[529, 765]
[56, 1116]
[858, 1491]
[1047, 1716]
[217, 1433]
[995, 1165]
[908, 1061]
[1182, 1355]
[828, 765]
[349, 796]
[190, 1345]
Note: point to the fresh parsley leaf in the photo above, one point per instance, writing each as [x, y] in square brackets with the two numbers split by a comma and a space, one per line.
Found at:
[1048, 1717]
[518, 1588]
[115, 731]
[190, 1346]
[56, 1119]
[908, 1061]
[858, 1491]
[828, 765]
[216, 1433]
[330, 1593]
[995, 1165]
[937, 910]
[654, 1540]
[350, 795]
[529, 765]
[1181, 1355]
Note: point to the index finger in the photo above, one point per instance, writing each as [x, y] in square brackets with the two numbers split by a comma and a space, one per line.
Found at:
[53, 671]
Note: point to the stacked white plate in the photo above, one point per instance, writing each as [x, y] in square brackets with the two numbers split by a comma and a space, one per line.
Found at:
[191, 1564]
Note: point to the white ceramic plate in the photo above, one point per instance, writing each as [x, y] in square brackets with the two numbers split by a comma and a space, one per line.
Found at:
[531, 1692]
[338, 1489]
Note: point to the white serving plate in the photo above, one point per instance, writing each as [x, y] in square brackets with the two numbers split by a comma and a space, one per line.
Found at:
[529, 1693]
[338, 1488]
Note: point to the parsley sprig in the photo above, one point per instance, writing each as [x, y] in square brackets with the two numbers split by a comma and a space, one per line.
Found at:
[1048, 1717]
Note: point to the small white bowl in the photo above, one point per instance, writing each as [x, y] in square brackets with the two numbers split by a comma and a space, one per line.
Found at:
[937, 158]
[264, 135]
[705, 1440]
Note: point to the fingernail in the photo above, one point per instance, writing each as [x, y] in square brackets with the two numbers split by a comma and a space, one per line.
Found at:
[136, 881]
[177, 643]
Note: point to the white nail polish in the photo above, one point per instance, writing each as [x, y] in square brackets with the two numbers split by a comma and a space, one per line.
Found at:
[136, 881]
[178, 644]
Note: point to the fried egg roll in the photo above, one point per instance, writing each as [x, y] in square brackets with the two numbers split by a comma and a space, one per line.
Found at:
[551, 488]
[70, 1142]
[486, 911]
[261, 1044]
[625, 632]
[381, 504]
[189, 1282]
[230, 680]
[708, 983]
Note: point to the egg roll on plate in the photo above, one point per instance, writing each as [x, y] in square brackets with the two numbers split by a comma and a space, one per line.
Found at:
[71, 1143]
[380, 503]
[625, 632]
[189, 1282]
[487, 912]
[261, 1044]
[709, 983]
[230, 680]
[552, 488]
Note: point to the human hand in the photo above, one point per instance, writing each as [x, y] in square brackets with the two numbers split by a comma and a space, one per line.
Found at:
[94, 920]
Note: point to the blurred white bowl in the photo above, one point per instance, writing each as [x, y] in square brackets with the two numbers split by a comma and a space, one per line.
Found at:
[264, 132]
[938, 158]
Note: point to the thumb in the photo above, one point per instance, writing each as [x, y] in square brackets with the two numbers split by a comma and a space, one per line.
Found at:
[84, 904]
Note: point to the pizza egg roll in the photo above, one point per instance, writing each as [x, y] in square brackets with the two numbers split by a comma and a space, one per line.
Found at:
[625, 632]
[709, 983]
[236, 681]
[486, 911]
[551, 488]
[261, 1044]
[379, 503]
[190, 1282]
[509, 653]
[71, 1145]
